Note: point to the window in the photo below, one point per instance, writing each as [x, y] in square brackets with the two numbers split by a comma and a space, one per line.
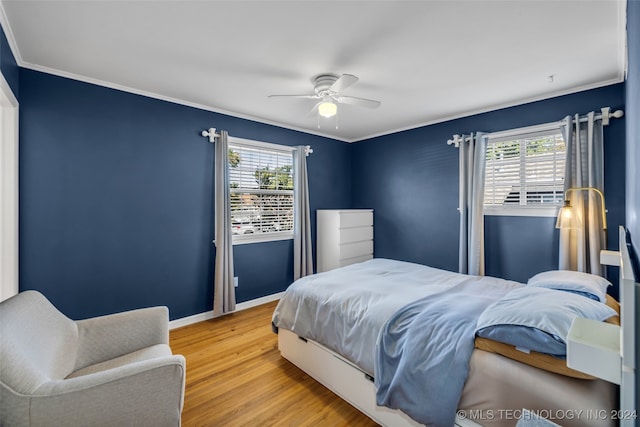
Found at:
[525, 174]
[261, 187]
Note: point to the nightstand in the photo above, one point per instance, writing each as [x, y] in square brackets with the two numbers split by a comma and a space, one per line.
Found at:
[594, 348]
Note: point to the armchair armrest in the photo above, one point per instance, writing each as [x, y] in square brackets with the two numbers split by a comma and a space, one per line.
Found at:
[107, 337]
[149, 392]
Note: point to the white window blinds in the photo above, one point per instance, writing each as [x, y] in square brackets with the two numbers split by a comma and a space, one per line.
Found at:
[261, 186]
[525, 171]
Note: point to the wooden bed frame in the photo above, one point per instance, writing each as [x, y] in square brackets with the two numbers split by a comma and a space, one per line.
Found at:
[356, 387]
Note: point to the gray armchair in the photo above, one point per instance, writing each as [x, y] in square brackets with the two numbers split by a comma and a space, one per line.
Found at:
[115, 370]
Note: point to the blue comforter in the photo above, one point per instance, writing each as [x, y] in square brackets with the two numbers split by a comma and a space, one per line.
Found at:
[423, 351]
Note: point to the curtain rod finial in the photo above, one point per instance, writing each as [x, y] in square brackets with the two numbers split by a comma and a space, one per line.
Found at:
[211, 133]
[607, 114]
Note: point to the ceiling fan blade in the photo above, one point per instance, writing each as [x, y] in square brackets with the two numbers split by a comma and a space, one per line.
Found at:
[360, 102]
[314, 110]
[343, 82]
[295, 96]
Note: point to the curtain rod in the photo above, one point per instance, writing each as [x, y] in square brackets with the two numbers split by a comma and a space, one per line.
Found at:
[212, 135]
[605, 115]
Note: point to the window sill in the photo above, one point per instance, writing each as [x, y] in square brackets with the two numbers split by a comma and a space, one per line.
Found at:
[246, 239]
[546, 211]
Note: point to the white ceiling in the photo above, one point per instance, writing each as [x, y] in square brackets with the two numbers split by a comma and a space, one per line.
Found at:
[426, 61]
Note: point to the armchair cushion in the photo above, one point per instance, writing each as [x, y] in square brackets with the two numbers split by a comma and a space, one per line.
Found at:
[153, 352]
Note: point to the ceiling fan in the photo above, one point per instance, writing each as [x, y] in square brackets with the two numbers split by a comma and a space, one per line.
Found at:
[328, 90]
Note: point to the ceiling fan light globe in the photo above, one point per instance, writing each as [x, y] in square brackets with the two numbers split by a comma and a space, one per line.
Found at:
[327, 109]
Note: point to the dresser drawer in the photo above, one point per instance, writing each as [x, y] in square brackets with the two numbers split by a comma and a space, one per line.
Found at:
[355, 218]
[349, 261]
[356, 234]
[351, 250]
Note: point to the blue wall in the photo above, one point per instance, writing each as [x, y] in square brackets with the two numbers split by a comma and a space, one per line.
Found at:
[8, 65]
[116, 199]
[116, 194]
[411, 180]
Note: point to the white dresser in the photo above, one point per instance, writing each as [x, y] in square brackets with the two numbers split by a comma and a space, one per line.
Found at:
[344, 237]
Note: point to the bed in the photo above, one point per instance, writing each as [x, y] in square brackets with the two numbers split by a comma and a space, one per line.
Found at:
[335, 326]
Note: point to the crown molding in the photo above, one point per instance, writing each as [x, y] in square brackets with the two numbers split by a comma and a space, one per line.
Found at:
[496, 107]
[4, 21]
[153, 95]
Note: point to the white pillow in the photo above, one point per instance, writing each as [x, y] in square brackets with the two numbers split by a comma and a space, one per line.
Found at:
[576, 281]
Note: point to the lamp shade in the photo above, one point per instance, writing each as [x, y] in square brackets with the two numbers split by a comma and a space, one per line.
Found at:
[327, 109]
[567, 218]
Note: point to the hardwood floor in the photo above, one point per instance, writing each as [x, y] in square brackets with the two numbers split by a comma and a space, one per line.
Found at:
[236, 377]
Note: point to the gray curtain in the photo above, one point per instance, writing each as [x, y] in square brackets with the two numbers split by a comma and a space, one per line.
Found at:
[302, 255]
[472, 157]
[224, 294]
[580, 246]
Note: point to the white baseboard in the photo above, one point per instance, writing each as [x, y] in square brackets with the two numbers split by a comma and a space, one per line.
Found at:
[189, 320]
